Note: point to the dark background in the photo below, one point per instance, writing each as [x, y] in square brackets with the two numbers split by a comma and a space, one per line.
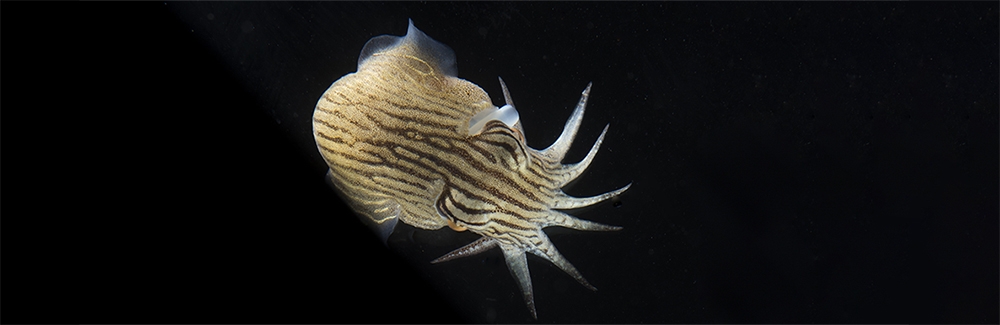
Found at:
[791, 163]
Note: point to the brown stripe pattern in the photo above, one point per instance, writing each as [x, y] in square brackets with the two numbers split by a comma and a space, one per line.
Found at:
[396, 137]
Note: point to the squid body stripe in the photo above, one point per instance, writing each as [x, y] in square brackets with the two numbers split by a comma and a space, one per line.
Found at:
[463, 174]
[483, 155]
[527, 199]
[440, 156]
[406, 139]
[466, 180]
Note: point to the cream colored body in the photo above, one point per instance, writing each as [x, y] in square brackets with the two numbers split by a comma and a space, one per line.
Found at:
[397, 137]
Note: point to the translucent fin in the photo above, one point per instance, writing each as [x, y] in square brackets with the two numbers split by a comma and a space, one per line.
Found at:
[385, 229]
[480, 245]
[558, 149]
[435, 53]
[563, 201]
[381, 215]
[517, 263]
[375, 45]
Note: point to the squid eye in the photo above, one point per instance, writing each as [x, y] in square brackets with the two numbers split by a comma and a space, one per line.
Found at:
[453, 224]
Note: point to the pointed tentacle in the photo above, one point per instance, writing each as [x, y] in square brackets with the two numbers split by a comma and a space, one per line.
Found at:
[518, 265]
[510, 102]
[557, 150]
[506, 94]
[563, 201]
[480, 245]
[549, 252]
[571, 172]
[560, 219]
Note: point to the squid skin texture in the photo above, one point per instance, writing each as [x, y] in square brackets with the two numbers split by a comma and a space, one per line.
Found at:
[407, 140]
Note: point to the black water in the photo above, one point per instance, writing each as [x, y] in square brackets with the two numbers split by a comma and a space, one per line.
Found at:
[791, 163]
